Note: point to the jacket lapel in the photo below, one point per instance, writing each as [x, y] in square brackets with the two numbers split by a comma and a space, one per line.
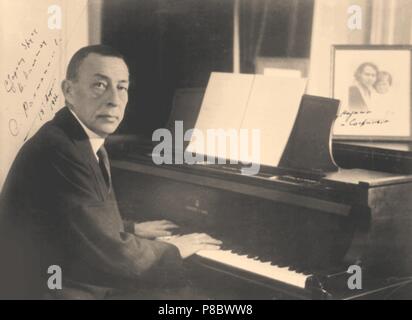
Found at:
[89, 157]
[79, 137]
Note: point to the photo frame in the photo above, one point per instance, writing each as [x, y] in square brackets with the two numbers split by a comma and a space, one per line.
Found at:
[373, 83]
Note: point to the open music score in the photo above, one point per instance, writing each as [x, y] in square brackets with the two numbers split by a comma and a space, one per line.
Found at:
[248, 102]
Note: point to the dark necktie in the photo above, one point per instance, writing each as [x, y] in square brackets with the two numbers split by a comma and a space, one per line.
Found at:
[104, 165]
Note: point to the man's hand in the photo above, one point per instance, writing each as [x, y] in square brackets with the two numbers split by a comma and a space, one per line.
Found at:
[154, 229]
[189, 244]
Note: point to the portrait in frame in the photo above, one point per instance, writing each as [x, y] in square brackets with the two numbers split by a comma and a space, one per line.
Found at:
[373, 83]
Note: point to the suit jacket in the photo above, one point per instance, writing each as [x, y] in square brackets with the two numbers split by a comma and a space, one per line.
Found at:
[57, 210]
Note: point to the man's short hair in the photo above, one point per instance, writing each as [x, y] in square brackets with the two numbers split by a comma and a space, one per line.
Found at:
[81, 54]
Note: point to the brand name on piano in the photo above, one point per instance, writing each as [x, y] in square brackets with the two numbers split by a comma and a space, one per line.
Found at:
[196, 208]
[210, 146]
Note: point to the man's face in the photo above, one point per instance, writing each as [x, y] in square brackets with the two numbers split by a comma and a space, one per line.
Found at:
[368, 76]
[99, 94]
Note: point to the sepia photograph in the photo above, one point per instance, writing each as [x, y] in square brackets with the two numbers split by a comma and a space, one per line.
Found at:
[220, 151]
[373, 84]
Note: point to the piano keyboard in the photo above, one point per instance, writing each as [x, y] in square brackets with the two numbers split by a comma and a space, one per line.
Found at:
[253, 265]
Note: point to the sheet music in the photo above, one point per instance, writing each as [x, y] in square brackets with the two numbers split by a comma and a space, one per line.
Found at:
[223, 105]
[225, 101]
[246, 101]
[272, 108]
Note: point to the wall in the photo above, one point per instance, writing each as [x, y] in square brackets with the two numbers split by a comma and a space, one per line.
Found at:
[330, 27]
[33, 61]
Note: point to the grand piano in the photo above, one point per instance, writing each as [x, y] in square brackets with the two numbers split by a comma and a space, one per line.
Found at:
[289, 232]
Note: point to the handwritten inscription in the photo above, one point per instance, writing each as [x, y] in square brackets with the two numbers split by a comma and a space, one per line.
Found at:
[27, 42]
[16, 81]
[13, 127]
[32, 78]
[48, 99]
[12, 78]
[360, 119]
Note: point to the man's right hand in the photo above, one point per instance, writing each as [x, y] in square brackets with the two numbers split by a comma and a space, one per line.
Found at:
[189, 244]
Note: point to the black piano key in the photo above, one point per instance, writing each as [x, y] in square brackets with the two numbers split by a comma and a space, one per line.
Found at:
[298, 269]
[283, 264]
[252, 256]
[275, 262]
[224, 246]
[307, 272]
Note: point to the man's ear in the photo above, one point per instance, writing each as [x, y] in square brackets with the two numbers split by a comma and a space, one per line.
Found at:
[67, 88]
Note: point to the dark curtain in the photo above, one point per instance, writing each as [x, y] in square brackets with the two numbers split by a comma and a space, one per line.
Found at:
[274, 28]
[168, 45]
[252, 21]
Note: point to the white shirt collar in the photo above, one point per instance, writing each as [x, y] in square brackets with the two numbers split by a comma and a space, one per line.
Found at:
[95, 140]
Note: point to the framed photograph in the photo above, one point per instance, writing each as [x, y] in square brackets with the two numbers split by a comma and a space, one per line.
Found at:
[373, 83]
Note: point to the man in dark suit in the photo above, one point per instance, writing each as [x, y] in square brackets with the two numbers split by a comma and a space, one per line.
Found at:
[58, 206]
